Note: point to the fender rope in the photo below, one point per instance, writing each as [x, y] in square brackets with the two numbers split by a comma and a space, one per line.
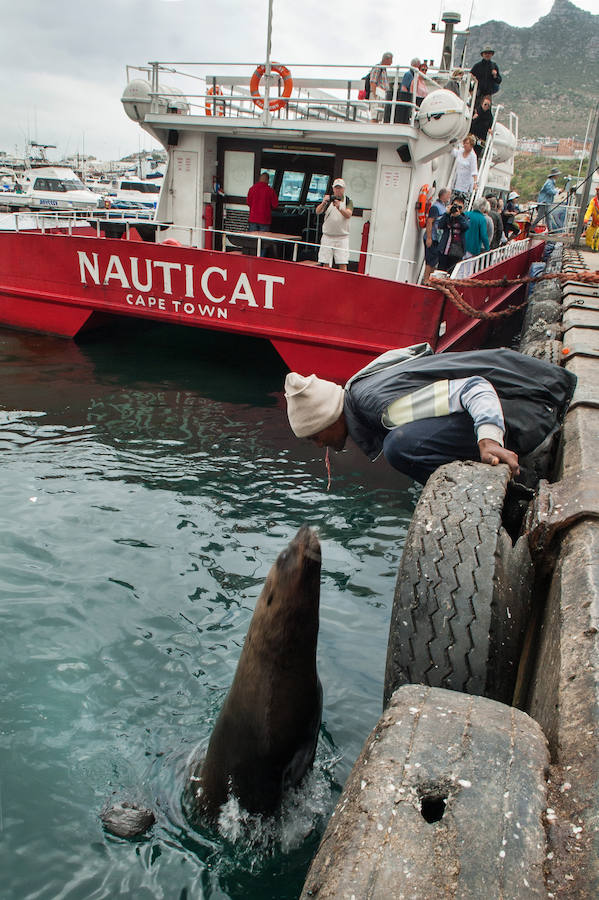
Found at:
[450, 289]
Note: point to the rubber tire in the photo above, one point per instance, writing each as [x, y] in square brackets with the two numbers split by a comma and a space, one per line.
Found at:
[462, 598]
[549, 350]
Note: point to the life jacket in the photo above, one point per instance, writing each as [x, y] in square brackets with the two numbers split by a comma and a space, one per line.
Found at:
[534, 394]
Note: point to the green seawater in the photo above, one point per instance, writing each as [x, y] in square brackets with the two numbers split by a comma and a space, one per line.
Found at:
[148, 482]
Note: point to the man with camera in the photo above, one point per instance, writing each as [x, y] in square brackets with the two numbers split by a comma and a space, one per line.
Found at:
[451, 227]
[334, 244]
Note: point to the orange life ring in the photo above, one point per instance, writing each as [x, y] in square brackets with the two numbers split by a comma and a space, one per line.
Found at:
[276, 102]
[423, 205]
[216, 91]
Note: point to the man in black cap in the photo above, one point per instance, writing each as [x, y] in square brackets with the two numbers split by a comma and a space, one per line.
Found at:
[486, 73]
[546, 199]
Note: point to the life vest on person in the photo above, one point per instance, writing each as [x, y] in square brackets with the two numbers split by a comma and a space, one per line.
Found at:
[276, 102]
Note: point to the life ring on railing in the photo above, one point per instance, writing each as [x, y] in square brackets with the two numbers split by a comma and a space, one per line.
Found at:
[215, 91]
[423, 205]
[275, 102]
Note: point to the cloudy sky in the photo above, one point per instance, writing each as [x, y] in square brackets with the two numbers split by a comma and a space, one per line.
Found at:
[62, 63]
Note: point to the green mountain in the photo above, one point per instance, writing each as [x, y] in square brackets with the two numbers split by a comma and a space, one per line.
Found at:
[550, 71]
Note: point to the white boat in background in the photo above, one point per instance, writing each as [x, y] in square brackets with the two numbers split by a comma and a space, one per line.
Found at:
[131, 192]
[55, 188]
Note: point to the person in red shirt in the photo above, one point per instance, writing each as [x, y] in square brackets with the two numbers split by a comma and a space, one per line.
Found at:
[261, 201]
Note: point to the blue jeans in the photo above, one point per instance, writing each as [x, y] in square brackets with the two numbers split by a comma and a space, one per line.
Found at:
[418, 448]
[254, 226]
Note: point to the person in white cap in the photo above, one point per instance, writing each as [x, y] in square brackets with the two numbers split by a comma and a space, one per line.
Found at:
[334, 244]
[421, 410]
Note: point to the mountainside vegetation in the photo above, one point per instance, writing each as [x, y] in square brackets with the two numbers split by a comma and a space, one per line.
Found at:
[550, 70]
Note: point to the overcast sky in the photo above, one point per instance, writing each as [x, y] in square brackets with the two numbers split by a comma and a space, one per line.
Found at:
[62, 63]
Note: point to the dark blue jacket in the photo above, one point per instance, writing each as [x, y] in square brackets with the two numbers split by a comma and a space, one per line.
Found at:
[534, 394]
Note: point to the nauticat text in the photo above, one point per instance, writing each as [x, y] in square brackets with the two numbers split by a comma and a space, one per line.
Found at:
[179, 287]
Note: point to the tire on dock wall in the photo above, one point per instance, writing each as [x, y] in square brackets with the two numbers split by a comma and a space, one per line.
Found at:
[462, 597]
[445, 800]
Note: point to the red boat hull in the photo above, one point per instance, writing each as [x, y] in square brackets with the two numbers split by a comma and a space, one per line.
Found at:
[319, 320]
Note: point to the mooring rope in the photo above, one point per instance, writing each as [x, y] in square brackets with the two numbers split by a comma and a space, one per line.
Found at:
[450, 289]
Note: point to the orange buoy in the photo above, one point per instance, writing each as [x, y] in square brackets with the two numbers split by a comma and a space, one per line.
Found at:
[215, 91]
[277, 102]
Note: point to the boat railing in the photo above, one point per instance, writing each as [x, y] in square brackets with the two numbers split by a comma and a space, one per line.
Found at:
[192, 236]
[466, 268]
[208, 89]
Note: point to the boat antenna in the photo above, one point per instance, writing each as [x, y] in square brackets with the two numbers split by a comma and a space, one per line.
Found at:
[266, 107]
[465, 44]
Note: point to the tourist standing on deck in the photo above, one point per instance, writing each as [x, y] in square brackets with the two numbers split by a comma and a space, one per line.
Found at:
[545, 200]
[452, 226]
[406, 89]
[482, 122]
[334, 244]
[497, 223]
[591, 220]
[261, 200]
[508, 215]
[431, 234]
[486, 73]
[466, 171]
[379, 84]
[421, 410]
[476, 239]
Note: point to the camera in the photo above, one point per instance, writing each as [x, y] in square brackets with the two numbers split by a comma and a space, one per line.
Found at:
[453, 209]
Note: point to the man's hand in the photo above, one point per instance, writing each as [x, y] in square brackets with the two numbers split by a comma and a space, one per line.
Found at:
[429, 242]
[493, 453]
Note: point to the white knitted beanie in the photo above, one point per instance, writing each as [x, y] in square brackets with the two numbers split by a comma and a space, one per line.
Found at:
[312, 403]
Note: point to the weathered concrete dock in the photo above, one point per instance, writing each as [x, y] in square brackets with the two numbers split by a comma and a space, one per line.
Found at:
[460, 796]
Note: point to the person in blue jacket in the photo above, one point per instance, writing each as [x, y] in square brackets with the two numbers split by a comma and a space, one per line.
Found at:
[421, 410]
[476, 238]
[546, 199]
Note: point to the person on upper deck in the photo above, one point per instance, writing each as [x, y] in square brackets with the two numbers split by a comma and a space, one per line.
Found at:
[407, 86]
[334, 244]
[486, 73]
[421, 410]
[466, 171]
[379, 84]
[481, 125]
[261, 200]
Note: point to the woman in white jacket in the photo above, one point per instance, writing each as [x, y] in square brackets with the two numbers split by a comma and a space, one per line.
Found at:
[466, 174]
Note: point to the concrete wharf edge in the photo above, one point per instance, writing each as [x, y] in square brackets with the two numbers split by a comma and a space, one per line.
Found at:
[564, 694]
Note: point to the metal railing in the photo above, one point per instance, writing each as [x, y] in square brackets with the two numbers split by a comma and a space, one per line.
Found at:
[466, 268]
[228, 96]
[194, 236]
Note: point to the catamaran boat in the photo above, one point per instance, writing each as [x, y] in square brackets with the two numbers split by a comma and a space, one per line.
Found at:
[197, 263]
[49, 188]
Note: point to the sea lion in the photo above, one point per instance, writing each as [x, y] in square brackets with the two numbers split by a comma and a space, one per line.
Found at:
[265, 737]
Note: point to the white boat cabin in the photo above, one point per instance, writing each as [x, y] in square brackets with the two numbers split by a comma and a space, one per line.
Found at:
[306, 128]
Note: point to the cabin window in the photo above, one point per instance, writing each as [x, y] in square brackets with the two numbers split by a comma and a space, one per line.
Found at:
[291, 186]
[317, 187]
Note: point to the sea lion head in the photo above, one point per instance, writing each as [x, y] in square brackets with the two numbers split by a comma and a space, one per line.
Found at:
[290, 597]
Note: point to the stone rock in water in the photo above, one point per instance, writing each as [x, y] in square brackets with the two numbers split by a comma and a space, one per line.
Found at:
[127, 820]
